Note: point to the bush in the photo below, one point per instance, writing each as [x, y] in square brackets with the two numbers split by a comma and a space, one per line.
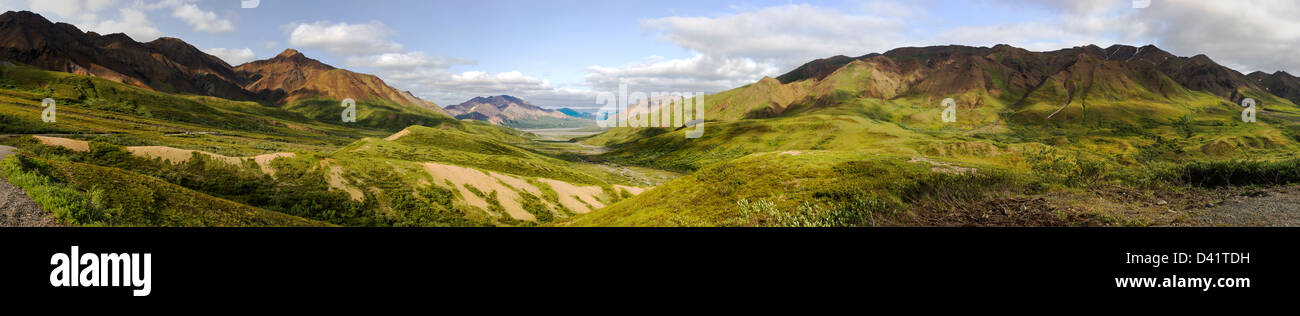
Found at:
[1073, 170]
[1184, 126]
[1161, 149]
[1240, 173]
[14, 125]
[951, 190]
[859, 212]
[66, 203]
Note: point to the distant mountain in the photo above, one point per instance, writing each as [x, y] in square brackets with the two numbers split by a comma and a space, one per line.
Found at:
[514, 112]
[1279, 83]
[1013, 77]
[292, 76]
[173, 66]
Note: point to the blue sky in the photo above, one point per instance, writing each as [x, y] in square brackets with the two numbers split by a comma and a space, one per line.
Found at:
[562, 52]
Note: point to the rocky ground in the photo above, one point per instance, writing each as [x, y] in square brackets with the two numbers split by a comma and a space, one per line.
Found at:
[1270, 207]
[16, 208]
[1232, 207]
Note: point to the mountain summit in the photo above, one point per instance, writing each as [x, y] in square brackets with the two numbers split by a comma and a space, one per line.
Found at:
[292, 76]
[1279, 83]
[511, 111]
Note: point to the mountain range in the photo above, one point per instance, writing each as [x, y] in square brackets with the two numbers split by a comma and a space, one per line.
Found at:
[992, 80]
[514, 112]
[1078, 136]
[173, 66]
[1279, 83]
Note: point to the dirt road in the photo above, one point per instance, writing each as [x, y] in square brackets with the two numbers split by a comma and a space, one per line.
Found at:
[1268, 208]
[16, 208]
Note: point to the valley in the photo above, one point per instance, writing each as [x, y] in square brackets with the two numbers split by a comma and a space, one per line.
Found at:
[1083, 136]
[562, 134]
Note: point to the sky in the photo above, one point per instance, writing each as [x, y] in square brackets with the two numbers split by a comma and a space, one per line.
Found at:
[562, 53]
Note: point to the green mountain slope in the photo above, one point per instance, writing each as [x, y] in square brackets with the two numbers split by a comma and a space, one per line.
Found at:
[84, 194]
[294, 165]
[1065, 123]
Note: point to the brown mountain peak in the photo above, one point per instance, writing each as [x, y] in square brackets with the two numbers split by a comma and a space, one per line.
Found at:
[290, 53]
[500, 109]
[294, 59]
[24, 17]
[170, 44]
[168, 41]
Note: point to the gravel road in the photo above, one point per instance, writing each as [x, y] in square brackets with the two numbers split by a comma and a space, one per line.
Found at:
[16, 208]
[1271, 208]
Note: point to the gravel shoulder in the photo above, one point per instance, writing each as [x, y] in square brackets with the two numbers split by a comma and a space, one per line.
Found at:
[16, 208]
[1275, 207]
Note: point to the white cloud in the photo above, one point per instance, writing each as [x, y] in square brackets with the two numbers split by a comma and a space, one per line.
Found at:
[784, 35]
[133, 16]
[737, 48]
[234, 57]
[1034, 36]
[740, 48]
[411, 60]
[134, 23]
[202, 21]
[96, 5]
[1248, 34]
[343, 38]
[81, 12]
[448, 88]
[701, 73]
[64, 8]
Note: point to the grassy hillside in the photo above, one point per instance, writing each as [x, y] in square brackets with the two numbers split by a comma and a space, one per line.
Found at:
[126, 115]
[814, 188]
[372, 114]
[550, 122]
[88, 195]
[729, 140]
[1094, 145]
[850, 150]
[419, 177]
[298, 161]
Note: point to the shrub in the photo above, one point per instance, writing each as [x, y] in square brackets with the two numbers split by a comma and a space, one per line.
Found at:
[1074, 169]
[66, 203]
[1184, 126]
[1240, 173]
[1161, 149]
[859, 212]
[950, 190]
[15, 125]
